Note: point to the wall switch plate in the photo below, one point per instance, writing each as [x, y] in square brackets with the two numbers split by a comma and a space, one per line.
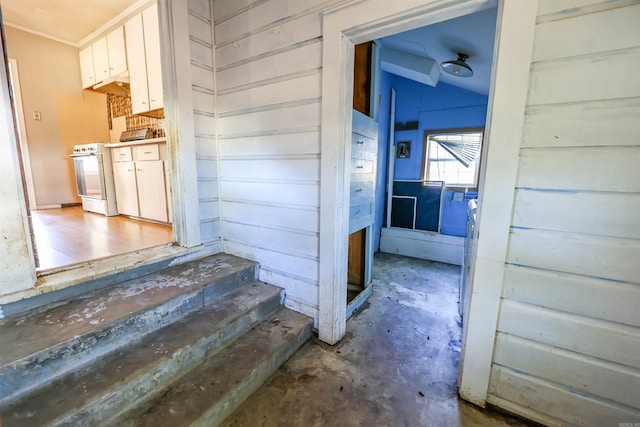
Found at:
[37, 115]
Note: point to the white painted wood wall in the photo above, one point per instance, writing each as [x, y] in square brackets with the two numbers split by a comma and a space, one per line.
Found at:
[201, 45]
[567, 347]
[268, 58]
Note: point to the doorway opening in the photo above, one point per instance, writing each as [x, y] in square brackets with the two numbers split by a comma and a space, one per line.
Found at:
[55, 115]
[430, 129]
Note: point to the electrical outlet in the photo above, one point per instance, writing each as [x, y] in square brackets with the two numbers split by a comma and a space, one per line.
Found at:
[37, 115]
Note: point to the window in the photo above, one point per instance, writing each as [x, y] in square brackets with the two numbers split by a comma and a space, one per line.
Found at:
[453, 156]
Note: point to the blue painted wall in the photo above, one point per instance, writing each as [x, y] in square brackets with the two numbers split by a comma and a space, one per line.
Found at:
[383, 156]
[440, 107]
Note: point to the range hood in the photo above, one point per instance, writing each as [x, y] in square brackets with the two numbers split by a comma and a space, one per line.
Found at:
[118, 85]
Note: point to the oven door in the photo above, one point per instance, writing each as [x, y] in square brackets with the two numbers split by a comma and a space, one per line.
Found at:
[89, 175]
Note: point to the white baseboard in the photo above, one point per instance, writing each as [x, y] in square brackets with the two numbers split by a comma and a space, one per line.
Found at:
[422, 244]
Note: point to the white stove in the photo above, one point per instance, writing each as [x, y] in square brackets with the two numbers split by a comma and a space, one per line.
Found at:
[94, 178]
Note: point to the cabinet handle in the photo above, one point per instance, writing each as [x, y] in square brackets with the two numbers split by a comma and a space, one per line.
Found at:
[360, 142]
[143, 102]
[147, 152]
[359, 190]
[129, 170]
[121, 154]
[359, 167]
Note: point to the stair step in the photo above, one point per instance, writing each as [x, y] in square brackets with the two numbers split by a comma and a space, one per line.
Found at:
[142, 370]
[42, 346]
[214, 389]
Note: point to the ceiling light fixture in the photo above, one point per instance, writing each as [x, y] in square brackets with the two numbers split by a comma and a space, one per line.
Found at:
[458, 67]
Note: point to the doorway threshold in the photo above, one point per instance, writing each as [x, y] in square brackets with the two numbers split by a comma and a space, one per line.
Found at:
[56, 285]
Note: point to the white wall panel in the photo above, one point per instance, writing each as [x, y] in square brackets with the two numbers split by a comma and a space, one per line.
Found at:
[296, 243]
[298, 88]
[223, 9]
[574, 293]
[596, 338]
[290, 33]
[578, 372]
[307, 57]
[304, 268]
[208, 188]
[280, 193]
[598, 123]
[204, 124]
[206, 147]
[604, 214]
[302, 116]
[589, 169]
[263, 16]
[201, 77]
[588, 34]
[272, 216]
[555, 404]
[585, 78]
[203, 99]
[286, 170]
[595, 256]
[272, 145]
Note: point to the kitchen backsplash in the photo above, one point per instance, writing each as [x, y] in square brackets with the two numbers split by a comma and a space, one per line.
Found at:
[120, 106]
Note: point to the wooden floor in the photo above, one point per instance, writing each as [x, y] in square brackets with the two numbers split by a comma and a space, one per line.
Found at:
[70, 235]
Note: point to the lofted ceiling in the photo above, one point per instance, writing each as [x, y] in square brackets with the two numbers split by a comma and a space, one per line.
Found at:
[471, 34]
[75, 21]
[67, 21]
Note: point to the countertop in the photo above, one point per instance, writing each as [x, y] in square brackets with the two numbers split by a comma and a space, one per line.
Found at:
[138, 142]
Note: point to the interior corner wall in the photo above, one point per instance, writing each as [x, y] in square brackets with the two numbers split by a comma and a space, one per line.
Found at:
[48, 70]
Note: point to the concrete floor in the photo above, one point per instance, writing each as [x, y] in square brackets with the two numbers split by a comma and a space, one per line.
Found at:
[396, 366]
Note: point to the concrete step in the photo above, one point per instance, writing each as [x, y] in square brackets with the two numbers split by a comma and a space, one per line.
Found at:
[214, 389]
[142, 370]
[39, 347]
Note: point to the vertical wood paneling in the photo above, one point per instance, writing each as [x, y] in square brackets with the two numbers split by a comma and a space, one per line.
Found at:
[569, 326]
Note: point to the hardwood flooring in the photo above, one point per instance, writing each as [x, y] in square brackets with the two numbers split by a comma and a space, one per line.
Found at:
[70, 235]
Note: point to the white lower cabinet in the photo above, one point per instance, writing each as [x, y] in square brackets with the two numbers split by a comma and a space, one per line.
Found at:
[152, 197]
[141, 188]
[124, 175]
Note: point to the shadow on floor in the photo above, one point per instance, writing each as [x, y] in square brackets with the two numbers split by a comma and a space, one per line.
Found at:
[396, 366]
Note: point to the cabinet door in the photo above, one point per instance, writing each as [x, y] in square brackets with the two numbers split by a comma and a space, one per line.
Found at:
[152, 194]
[117, 52]
[86, 67]
[168, 190]
[152, 53]
[101, 59]
[124, 176]
[137, 65]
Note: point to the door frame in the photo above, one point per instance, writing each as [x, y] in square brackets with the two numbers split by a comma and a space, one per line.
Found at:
[366, 20]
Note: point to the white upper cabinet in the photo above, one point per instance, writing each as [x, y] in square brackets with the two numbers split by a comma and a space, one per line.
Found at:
[143, 55]
[104, 59]
[152, 55]
[101, 59]
[117, 52]
[86, 67]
